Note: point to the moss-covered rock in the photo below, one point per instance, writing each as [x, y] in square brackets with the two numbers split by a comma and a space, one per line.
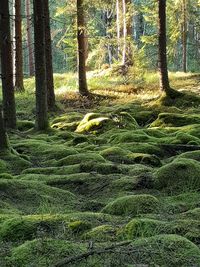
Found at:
[132, 205]
[144, 227]
[80, 158]
[25, 125]
[181, 174]
[78, 227]
[119, 155]
[32, 197]
[43, 252]
[166, 250]
[175, 120]
[102, 233]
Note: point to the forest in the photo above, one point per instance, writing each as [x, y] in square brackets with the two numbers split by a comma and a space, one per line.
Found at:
[99, 133]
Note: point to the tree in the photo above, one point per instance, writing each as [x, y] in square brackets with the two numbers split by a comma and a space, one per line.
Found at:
[3, 136]
[40, 65]
[162, 45]
[29, 38]
[184, 35]
[7, 66]
[18, 58]
[81, 34]
[48, 54]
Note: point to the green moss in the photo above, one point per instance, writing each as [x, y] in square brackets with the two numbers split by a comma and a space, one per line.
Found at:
[166, 250]
[78, 227]
[119, 155]
[65, 170]
[181, 174]
[25, 125]
[3, 166]
[102, 233]
[124, 119]
[175, 120]
[132, 205]
[33, 197]
[43, 252]
[184, 138]
[138, 228]
[98, 167]
[192, 214]
[80, 158]
[195, 155]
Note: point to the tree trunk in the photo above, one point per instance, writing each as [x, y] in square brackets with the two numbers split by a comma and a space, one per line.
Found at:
[184, 36]
[7, 66]
[83, 88]
[3, 136]
[118, 28]
[29, 39]
[19, 83]
[162, 39]
[127, 32]
[49, 64]
[40, 66]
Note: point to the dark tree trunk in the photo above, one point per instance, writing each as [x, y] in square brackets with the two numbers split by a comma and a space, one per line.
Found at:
[3, 136]
[19, 83]
[49, 65]
[29, 39]
[162, 44]
[83, 88]
[7, 66]
[40, 66]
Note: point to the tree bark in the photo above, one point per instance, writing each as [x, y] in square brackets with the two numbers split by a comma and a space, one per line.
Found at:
[83, 87]
[49, 64]
[118, 28]
[40, 66]
[7, 66]
[162, 45]
[3, 136]
[29, 39]
[184, 36]
[19, 83]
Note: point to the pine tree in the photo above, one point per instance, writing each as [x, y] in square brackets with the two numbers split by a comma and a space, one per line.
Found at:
[40, 65]
[83, 87]
[7, 66]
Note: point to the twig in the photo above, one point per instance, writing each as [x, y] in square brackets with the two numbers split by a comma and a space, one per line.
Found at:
[85, 255]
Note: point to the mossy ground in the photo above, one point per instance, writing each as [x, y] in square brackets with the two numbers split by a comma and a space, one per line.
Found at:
[128, 169]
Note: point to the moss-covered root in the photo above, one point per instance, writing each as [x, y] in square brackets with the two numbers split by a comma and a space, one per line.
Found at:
[132, 205]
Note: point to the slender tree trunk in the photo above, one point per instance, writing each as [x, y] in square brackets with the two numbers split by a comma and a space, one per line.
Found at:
[3, 136]
[184, 36]
[127, 30]
[164, 79]
[19, 83]
[29, 38]
[49, 64]
[118, 28]
[124, 32]
[40, 66]
[83, 88]
[7, 66]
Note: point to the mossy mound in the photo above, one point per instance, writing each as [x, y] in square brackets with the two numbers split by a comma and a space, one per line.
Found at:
[181, 174]
[166, 250]
[13, 162]
[78, 227]
[25, 125]
[40, 197]
[195, 155]
[124, 119]
[192, 214]
[184, 138]
[43, 252]
[102, 233]
[98, 167]
[132, 205]
[3, 166]
[80, 158]
[175, 120]
[119, 155]
[130, 137]
[139, 228]
[63, 170]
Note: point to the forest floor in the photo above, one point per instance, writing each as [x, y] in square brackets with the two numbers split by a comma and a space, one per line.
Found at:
[114, 182]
